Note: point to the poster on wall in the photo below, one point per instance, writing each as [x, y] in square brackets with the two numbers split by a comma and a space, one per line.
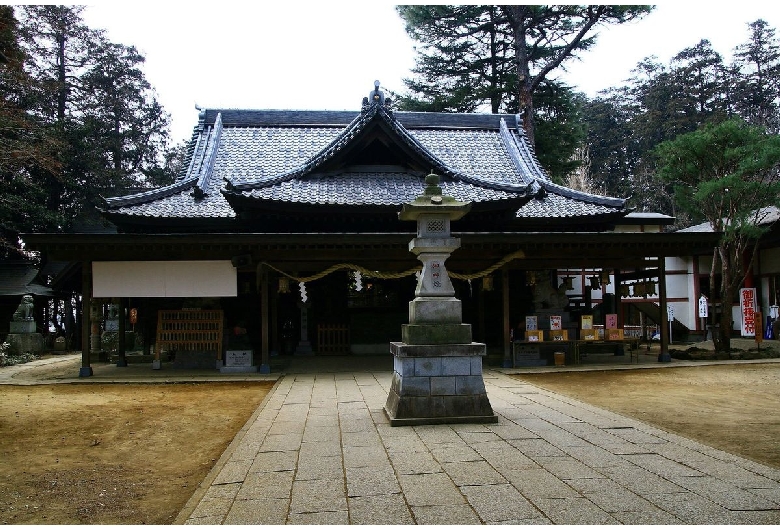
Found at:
[747, 308]
[555, 322]
[611, 321]
[531, 324]
[587, 322]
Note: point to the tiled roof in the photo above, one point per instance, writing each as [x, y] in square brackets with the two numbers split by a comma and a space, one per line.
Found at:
[298, 157]
[551, 205]
[763, 216]
[369, 188]
[18, 278]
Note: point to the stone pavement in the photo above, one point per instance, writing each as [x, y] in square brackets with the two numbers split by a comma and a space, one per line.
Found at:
[319, 450]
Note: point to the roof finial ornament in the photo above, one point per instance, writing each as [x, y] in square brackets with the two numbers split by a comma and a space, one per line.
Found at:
[377, 97]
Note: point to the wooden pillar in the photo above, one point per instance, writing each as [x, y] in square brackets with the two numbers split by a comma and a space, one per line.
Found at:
[265, 363]
[481, 312]
[86, 303]
[121, 346]
[507, 363]
[619, 300]
[663, 356]
[276, 346]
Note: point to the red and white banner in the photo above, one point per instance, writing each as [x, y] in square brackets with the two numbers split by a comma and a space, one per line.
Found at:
[747, 308]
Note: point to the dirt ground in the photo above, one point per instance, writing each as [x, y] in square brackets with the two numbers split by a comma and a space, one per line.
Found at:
[733, 407]
[113, 453]
[95, 453]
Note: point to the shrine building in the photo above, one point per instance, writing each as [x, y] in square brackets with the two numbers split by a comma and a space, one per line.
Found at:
[282, 236]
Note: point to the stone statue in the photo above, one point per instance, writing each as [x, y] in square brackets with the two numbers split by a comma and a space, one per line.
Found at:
[24, 313]
[547, 297]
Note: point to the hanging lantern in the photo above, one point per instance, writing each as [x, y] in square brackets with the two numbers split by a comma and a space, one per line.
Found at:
[639, 289]
[625, 290]
[487, 283]
[284, 285]
[650, 288]
[605, 278]
[567, 282]
[594, 283]
[530, 278]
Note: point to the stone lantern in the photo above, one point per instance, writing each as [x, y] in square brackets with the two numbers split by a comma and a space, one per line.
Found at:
[437, 374]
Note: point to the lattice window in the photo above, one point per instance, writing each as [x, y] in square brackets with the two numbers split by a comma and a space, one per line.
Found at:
[435, 225]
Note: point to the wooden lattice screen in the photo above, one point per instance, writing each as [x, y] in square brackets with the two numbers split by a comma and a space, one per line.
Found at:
[190, 330]
[332, 339]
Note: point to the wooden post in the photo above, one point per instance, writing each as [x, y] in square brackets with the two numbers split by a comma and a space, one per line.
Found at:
[619, 300]
[505, 299]
[663, 356]
[121, 346]
[86, 303]
[276, 346]
[481, 312]
[265, 363]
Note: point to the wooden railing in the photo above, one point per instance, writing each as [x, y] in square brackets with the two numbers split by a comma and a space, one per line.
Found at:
[189, 330]
[332, 339]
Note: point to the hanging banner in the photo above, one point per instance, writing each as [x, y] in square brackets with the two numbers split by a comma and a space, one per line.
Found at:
[747, 308]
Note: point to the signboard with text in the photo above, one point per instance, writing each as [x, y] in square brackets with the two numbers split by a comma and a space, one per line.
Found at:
[704, 310]
[747, 308]
[238, 358]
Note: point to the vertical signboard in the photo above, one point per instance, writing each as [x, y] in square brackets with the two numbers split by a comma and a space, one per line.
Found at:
[747, 308]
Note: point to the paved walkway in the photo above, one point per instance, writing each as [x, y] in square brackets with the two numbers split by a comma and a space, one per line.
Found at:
[319, 450]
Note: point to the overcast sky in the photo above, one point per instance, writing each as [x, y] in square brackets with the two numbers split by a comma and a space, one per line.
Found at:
[327, 55]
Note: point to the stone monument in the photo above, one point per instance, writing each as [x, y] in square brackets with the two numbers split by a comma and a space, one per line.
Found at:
[22, 337]
[437, 375]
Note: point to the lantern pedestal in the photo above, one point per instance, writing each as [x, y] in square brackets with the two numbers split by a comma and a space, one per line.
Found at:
[437, 369]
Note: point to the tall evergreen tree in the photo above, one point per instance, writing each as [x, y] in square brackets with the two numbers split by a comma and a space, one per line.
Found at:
[544, 37]
[28, 160]
[757, 70]
[93, 93]
[726, 174]
[661, 102]
[471, 58]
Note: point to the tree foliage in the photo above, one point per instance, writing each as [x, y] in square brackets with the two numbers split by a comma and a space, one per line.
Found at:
[81, 110]
[725, 174]
[28, 149]
[502, 58]
[661, 102]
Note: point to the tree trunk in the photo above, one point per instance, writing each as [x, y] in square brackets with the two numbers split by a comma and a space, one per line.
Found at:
[720, 341]
[517, 17]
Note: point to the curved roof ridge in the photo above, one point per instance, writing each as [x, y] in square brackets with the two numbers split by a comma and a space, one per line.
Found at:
[520, 152]
[147, 196]
[582, 195]
[209, 156]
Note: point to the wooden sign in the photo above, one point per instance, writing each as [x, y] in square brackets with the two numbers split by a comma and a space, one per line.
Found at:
[586, 322]
[534, 336]
[559, 335]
